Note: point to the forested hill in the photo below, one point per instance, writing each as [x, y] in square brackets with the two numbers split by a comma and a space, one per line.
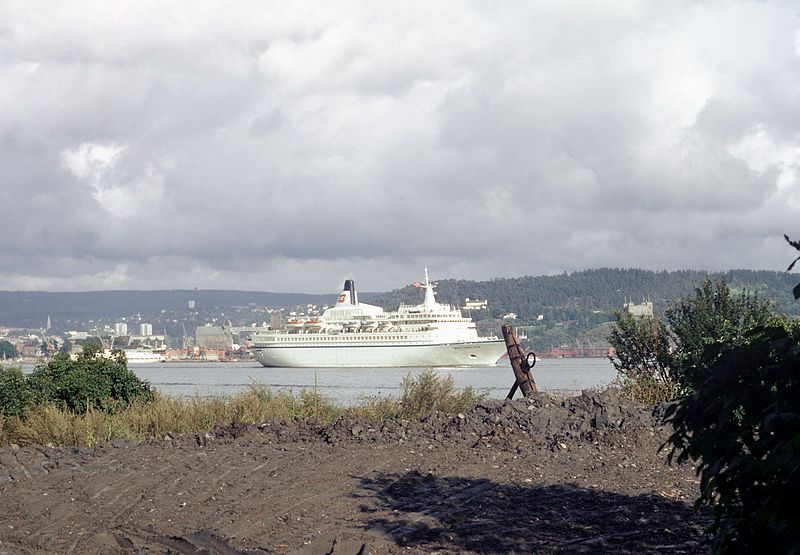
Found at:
[591, 295]
[573, 304]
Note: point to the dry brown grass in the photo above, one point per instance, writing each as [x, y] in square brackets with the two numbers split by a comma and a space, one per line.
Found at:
[421, 395]
[645, 388]
[429, 392]
[51, 425]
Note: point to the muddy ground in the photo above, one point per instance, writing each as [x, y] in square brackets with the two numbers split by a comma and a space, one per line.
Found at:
[542, 476]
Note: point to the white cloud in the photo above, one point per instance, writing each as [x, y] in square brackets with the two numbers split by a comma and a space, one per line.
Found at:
[764, 154]
[248, 143]
[94, 164]
[92, 161]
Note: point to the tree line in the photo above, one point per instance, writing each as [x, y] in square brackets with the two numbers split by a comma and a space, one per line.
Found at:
[593, 295]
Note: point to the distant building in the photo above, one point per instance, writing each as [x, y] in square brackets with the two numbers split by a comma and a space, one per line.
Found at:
[276, 320]
[153, 341]
[145, 329]
[474, 304]
[120, 328]
[214, 337]
[30, 351]
[644, 310]
[190, 304]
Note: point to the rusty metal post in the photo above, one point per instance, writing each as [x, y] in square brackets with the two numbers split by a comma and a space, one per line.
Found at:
[521, 364]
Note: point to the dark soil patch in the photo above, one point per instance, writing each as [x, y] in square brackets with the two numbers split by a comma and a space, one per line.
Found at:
[540, 476]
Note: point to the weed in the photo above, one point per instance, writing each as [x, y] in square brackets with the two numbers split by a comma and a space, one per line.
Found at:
[55, 424]
[648, 389]
[430, 392]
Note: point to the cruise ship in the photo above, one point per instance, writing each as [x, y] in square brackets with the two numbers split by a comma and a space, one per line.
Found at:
[355, 334]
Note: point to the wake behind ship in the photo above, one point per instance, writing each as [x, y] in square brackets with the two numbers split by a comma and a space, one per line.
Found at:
[354, 334]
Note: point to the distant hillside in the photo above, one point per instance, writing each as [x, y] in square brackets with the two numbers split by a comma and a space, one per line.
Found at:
[576, 307]
[568, 296]
[31, 308]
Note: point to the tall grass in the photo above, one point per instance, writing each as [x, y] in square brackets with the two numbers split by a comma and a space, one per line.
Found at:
[421, 395]
[648, 389]
[51, 425]
[429, 392]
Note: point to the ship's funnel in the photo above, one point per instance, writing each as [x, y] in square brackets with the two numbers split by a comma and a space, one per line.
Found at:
[350, 285]
[348, 294]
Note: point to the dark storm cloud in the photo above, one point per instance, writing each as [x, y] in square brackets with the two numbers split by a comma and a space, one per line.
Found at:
[253, 146]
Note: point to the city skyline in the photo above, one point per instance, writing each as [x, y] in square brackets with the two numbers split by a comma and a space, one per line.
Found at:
[266, 147]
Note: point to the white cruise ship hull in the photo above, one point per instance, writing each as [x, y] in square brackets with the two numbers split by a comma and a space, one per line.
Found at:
[478, 353]
[144, 359]
[135, 356]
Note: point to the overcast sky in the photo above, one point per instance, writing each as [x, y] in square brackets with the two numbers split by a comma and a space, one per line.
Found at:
[285, 146]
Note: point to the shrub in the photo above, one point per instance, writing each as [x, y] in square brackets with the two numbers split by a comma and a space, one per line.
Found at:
[377, 407]
[651, 355]
[47, 425]
[429, 392]
[14, 393]
[642, 358]
[742, 424]
[91, 380]
[712, 316]
[648, 389]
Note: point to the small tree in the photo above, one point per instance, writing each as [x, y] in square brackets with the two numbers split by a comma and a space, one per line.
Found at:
[642, 357]
[711, 316]
[89, 380]
[14, 393]
[651, 356]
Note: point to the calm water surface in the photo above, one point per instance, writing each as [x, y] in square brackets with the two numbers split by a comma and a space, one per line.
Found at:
[348, 386]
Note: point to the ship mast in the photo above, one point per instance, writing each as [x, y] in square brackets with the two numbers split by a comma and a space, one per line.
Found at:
[430, 298]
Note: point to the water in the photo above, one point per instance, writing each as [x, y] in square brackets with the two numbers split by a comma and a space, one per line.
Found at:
[348, 386]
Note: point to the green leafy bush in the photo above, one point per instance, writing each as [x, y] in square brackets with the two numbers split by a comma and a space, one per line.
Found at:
[90, 380]
[742, 424]
[651, 355]
[14, 393]
[712, 316]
